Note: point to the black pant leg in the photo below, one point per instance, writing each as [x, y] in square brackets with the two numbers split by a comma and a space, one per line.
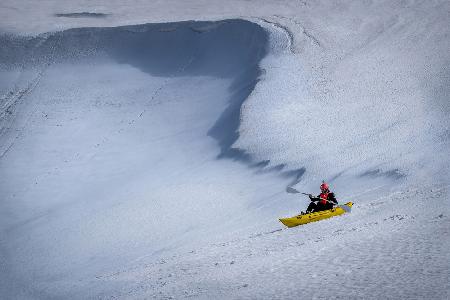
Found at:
[311, 207]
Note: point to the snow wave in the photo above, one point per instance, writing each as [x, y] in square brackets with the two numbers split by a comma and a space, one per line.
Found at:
[227, 49]
[112, 140]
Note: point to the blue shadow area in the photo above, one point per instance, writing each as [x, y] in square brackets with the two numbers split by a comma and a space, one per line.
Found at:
[229, 49]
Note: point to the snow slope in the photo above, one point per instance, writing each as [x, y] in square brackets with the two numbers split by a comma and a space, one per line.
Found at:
[151, 161]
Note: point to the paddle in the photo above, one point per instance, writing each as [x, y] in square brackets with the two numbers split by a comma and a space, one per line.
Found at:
[292, 190]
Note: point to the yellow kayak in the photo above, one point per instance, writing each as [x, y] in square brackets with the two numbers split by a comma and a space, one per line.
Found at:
[317, 216]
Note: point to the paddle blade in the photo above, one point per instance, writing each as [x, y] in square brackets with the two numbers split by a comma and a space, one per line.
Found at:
[291, 190]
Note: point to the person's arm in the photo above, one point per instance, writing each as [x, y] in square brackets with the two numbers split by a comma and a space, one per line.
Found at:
[314, 198]
[332, 198]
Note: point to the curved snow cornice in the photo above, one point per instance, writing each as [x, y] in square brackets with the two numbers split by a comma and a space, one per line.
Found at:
[224, 49]
[111, 145]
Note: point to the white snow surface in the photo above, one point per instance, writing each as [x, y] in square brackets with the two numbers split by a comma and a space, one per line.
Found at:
[143, 155]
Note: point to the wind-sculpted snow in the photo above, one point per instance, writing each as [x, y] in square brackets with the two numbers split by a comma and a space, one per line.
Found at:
[153, 161]
[219, 49]
[111, 147]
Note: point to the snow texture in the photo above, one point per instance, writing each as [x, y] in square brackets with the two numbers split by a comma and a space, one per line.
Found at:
[144, 155]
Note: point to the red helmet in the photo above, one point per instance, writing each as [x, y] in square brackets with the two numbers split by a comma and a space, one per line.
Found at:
[324, 186]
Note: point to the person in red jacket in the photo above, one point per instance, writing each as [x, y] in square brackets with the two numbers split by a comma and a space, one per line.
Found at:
[325, 200]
